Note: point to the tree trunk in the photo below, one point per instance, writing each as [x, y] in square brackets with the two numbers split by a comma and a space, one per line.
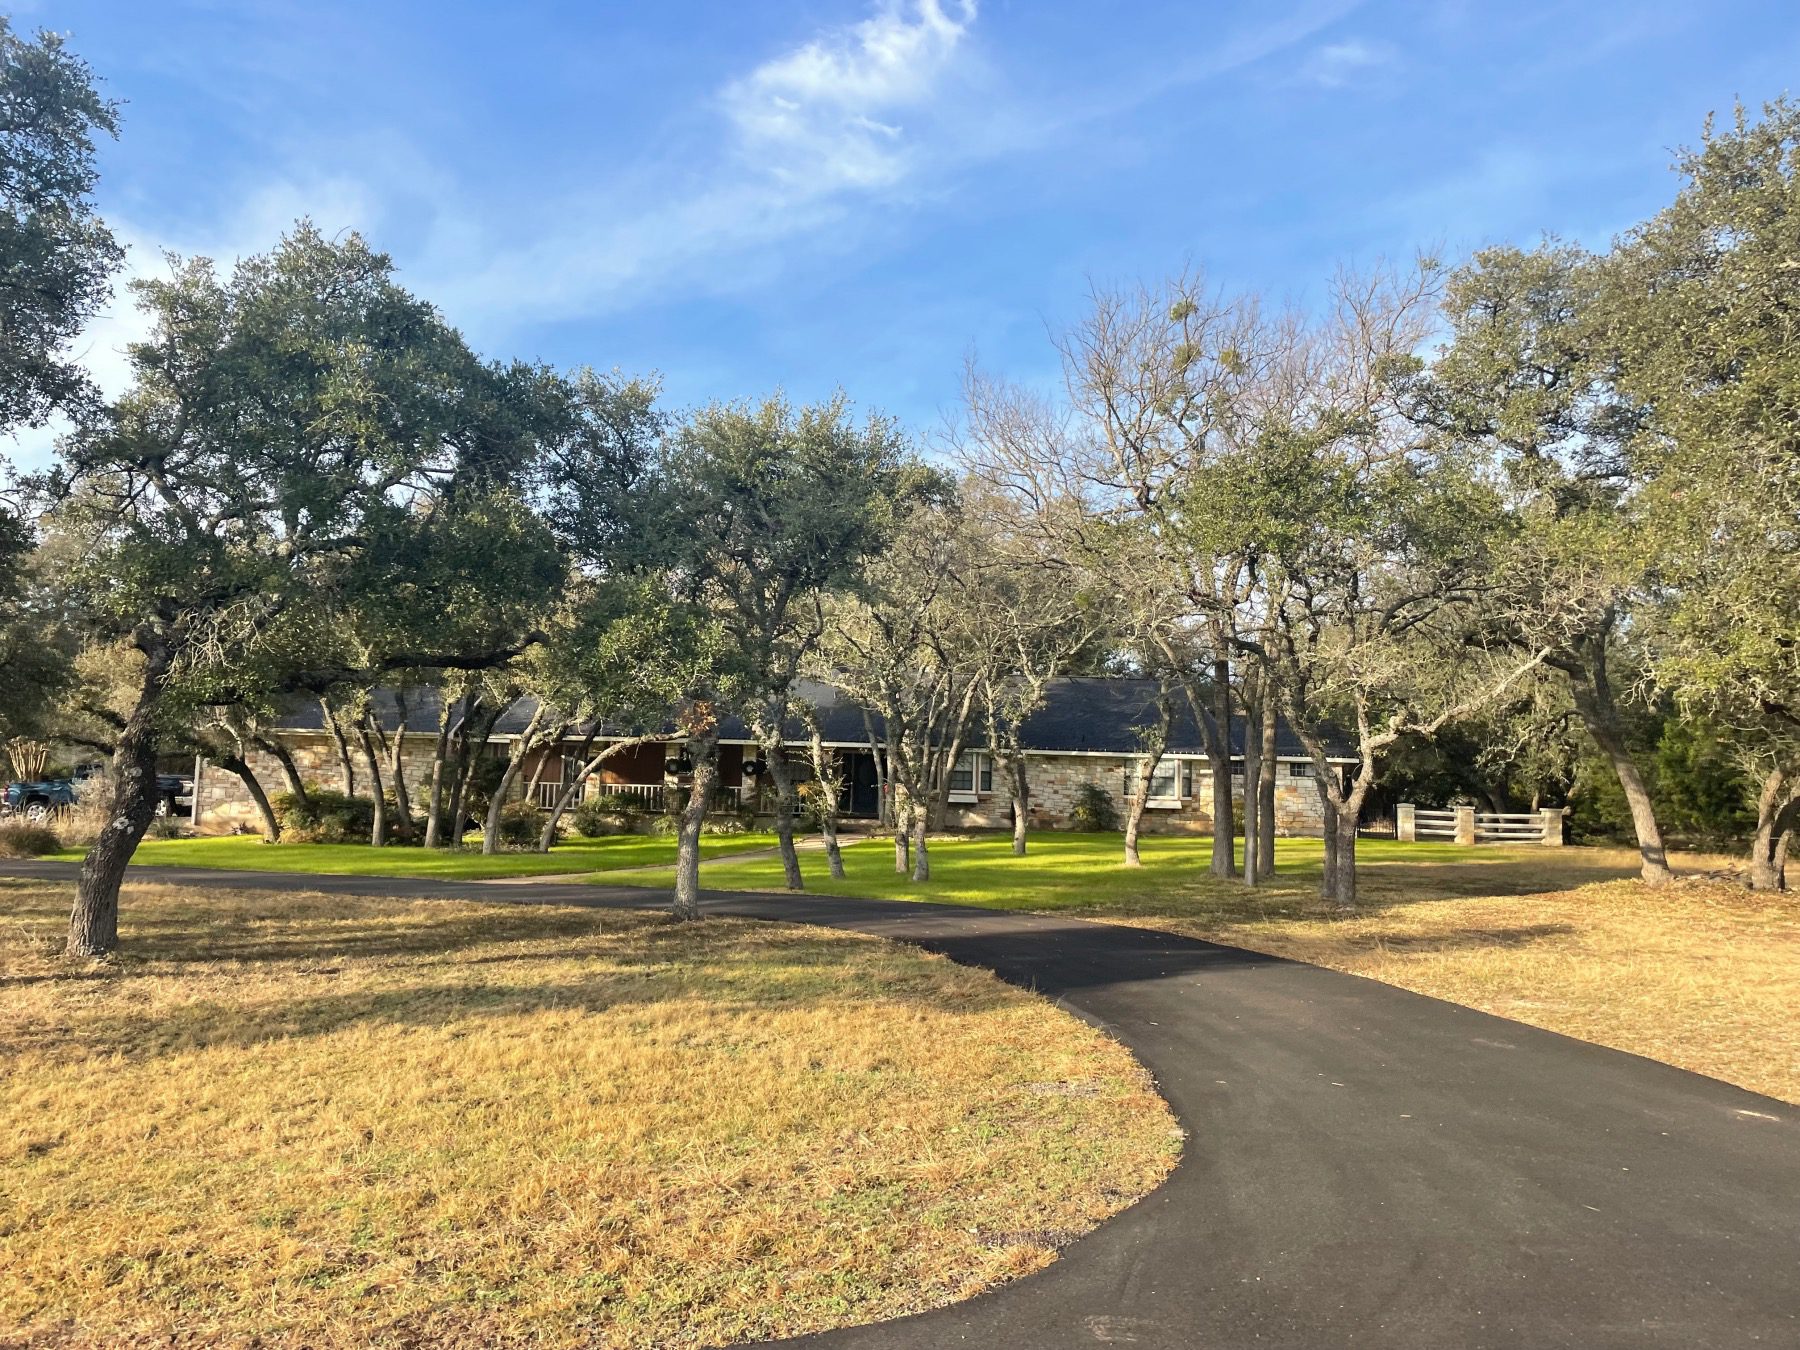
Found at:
[1134, 810]
[1156, 740]
[1224, 863]
[1343, 857]
[1265, 838]
[1019, 775]
[396, 748]
[439, 752]
[483, 729]
[1342, 816]
[490, 830]
[276, 749]
[1592, 692]
[1328, 817]
[703, 750]
[901, 823]
[884, 809]
[827, 773]
[555, 738]
[459, 786]
[1252, 789]
[94, 920]
[346, 763]
[921, 855]
[571, 789]
[936, 784]
[378, 798]
[1776, 808]
[241, 767]
[782, 772]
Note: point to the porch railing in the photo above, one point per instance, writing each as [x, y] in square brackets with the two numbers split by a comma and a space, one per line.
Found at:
[649, 797]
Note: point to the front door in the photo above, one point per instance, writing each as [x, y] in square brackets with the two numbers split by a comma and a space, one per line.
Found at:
[858, 797]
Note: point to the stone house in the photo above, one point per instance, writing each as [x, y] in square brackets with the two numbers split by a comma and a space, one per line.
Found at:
[1089, 731]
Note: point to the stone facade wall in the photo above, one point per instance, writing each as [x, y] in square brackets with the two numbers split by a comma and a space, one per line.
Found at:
[1057, 780]
[226, 808]
[225, 805]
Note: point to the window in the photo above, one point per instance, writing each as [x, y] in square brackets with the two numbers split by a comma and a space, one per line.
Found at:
[1187, 778]
[971, 769]
[962, 776]
[1164, 780]
[1300, 768]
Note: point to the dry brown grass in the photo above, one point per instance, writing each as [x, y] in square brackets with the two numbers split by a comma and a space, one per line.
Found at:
[1702, 974]
[321, 1121]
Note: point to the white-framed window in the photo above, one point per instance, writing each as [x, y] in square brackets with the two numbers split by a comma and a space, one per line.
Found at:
[1165, 783]
[1300, 768]
[973, 772]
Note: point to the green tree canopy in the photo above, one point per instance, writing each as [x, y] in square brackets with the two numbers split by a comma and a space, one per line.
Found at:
[56, 255]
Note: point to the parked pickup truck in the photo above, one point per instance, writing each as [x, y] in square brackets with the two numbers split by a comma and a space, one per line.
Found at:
[37, 801]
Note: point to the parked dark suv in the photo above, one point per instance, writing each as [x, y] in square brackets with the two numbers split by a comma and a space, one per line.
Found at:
[40, 800]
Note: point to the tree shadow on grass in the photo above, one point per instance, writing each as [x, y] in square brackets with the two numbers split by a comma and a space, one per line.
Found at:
[1395, 881]
[730, 967]
[1465, 939]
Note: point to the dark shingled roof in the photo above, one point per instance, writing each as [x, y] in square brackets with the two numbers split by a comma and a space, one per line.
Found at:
[1097, 715]
[1110, 716]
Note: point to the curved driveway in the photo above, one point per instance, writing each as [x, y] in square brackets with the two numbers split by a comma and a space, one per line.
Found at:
[1365, 1166]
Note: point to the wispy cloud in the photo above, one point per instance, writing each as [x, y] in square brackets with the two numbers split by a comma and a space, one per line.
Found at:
[1341, 65]
[830, 115]
[847, 117]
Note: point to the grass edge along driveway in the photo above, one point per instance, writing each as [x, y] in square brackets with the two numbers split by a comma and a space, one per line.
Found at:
[1701, 974]
[250, 852]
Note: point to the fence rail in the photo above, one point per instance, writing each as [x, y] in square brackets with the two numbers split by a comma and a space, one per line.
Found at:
[1426, 824]
[1466, 825]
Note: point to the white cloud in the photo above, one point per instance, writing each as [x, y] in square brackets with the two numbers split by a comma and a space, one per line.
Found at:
[847, 116]
[1338, 65]
[821, 117]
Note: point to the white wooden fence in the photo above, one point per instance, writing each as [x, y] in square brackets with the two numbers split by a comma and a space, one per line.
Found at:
[1466, 825]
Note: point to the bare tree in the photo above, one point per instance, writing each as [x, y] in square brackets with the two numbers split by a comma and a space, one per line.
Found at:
[901, 649]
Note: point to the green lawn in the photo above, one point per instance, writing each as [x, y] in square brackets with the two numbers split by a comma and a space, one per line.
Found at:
[574, 855]
[1085, 871]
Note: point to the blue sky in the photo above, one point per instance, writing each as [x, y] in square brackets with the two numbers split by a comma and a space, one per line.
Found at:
[821, 193]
